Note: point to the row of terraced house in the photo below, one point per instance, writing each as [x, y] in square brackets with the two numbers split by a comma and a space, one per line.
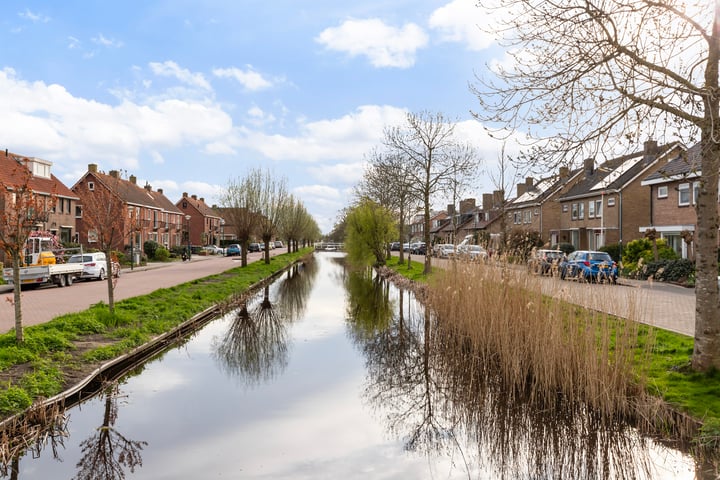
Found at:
[147, 213]
[614, 202]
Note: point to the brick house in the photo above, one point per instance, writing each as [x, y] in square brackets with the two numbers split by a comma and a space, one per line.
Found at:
[608, 204]
[146, 214]
[673, 195]
[536, 207]
[61, 202]
[206, 224]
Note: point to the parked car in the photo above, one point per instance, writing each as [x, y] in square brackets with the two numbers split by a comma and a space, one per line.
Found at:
[446, 250]
[545, 262]
[472, 253]
[406, 247]
[395, 246]
[589, 266]
[94, 265]
[233, 250]
[254, 247]
[214, 250]
[418, 248]
[279, 244]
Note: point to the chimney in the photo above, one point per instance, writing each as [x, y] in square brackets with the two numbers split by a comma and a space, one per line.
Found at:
[529, 182]
[184, 194]
[114, 174]
[193, 196]
[487, 202]
[498, 198]
[467, 205]
[148, 187]
[521, 189]
[589, 165]
[202, 199]
[133, 179]
[451, 209]
[160, 191]
[6, 152]
[651, 147]
[564, 173]
[92, 167]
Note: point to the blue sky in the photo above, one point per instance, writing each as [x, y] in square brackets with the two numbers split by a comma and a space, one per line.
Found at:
[186, 95]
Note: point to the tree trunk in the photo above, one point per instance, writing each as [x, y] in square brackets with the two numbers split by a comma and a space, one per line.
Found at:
[19, 336]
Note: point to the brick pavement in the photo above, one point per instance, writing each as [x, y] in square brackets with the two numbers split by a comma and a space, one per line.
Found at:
[45, 303]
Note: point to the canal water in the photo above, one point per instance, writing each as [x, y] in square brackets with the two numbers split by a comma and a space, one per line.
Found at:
[329, 375]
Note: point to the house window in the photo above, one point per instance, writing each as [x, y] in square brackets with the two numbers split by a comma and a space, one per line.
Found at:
[591, 209]
[528, 216]
[91, 186]
[684, 194]
[696, 192]
[517, 218]
[581, 210]
[662, 192]
[574, 214]
[611, 202]
[598, 208]
[565, 208]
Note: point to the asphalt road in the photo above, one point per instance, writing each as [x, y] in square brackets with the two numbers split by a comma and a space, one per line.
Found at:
[45, 303]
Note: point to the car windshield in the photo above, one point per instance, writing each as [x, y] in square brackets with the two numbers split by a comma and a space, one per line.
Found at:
[600, 257]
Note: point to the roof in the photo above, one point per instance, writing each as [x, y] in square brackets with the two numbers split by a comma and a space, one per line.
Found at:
[542, 190]
[199, 205]
[686, 165]
[9, 175]
[617, 173]
[127, 191]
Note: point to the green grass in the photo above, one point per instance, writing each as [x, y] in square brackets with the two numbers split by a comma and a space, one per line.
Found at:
[415, 272]
[47, 353]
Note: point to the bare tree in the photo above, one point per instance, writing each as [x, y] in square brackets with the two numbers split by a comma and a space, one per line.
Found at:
[273, 195]
[103, 214]
[607, 71]
[241, 204]
[426, 142]
[21, 210]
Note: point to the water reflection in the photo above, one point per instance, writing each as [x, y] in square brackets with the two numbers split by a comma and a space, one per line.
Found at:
[107, 453]
[440, 399]
[255, 346]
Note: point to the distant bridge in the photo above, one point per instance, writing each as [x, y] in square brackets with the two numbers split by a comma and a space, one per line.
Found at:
[330, 246]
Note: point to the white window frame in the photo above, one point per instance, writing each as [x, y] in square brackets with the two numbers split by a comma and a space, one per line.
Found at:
[696, 192]
[574, 214]
[611, 202]
[598, 208]
[581, 211]
[683, 191]
[591, 209]
[662, 191]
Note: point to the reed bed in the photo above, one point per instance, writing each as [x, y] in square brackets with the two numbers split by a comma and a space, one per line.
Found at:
[545, 350]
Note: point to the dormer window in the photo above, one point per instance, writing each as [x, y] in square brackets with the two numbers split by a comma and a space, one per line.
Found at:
[39, 168]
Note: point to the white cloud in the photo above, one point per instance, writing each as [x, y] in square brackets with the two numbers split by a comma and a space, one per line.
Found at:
[75, 129]
[382, 44]
[349, 173]
[107, 42]
[317, 192]
[33, 17]
[346, 138]
[172, 69]
[463, 21]
[249, 79]
[73, 43]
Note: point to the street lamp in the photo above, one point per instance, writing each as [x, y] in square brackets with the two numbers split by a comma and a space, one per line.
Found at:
[189, 250]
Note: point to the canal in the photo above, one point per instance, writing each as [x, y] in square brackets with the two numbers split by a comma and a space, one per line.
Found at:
[325, 375]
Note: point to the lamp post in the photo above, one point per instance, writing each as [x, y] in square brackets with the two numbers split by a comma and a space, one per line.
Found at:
[189, 250]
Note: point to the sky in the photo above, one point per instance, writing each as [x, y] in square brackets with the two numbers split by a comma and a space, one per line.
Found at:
[190, 95]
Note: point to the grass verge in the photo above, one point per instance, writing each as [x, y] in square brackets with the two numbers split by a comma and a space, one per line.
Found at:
[654, 360]
[56, 354]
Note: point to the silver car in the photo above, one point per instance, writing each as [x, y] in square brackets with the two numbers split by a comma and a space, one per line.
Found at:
[94, 265]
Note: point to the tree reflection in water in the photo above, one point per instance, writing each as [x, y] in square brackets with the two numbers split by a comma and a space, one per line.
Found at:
[439, 399]
[108, 453]
[295, 288]
[255, 346]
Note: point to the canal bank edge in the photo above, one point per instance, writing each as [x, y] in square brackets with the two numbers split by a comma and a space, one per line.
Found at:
[113, 369]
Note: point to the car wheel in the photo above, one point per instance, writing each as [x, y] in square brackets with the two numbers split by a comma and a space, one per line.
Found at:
[102, 274]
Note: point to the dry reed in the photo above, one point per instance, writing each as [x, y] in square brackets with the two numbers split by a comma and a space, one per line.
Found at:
[545, 350]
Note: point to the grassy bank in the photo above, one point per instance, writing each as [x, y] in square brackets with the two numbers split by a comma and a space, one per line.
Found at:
[617, 367]
[56, 354]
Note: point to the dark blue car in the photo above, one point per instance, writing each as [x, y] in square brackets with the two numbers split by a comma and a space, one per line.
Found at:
[589, 266]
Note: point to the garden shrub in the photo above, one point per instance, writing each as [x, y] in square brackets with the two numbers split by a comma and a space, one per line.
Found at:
[639, 253]
[161, 254]
[150, 247]
[614, 250]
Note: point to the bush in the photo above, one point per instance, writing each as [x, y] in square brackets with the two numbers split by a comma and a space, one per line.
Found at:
[642, 249]
[14, 400]
[566, 248]
[676, 271]
[614, 250]
[162, 254]
[150, 247]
